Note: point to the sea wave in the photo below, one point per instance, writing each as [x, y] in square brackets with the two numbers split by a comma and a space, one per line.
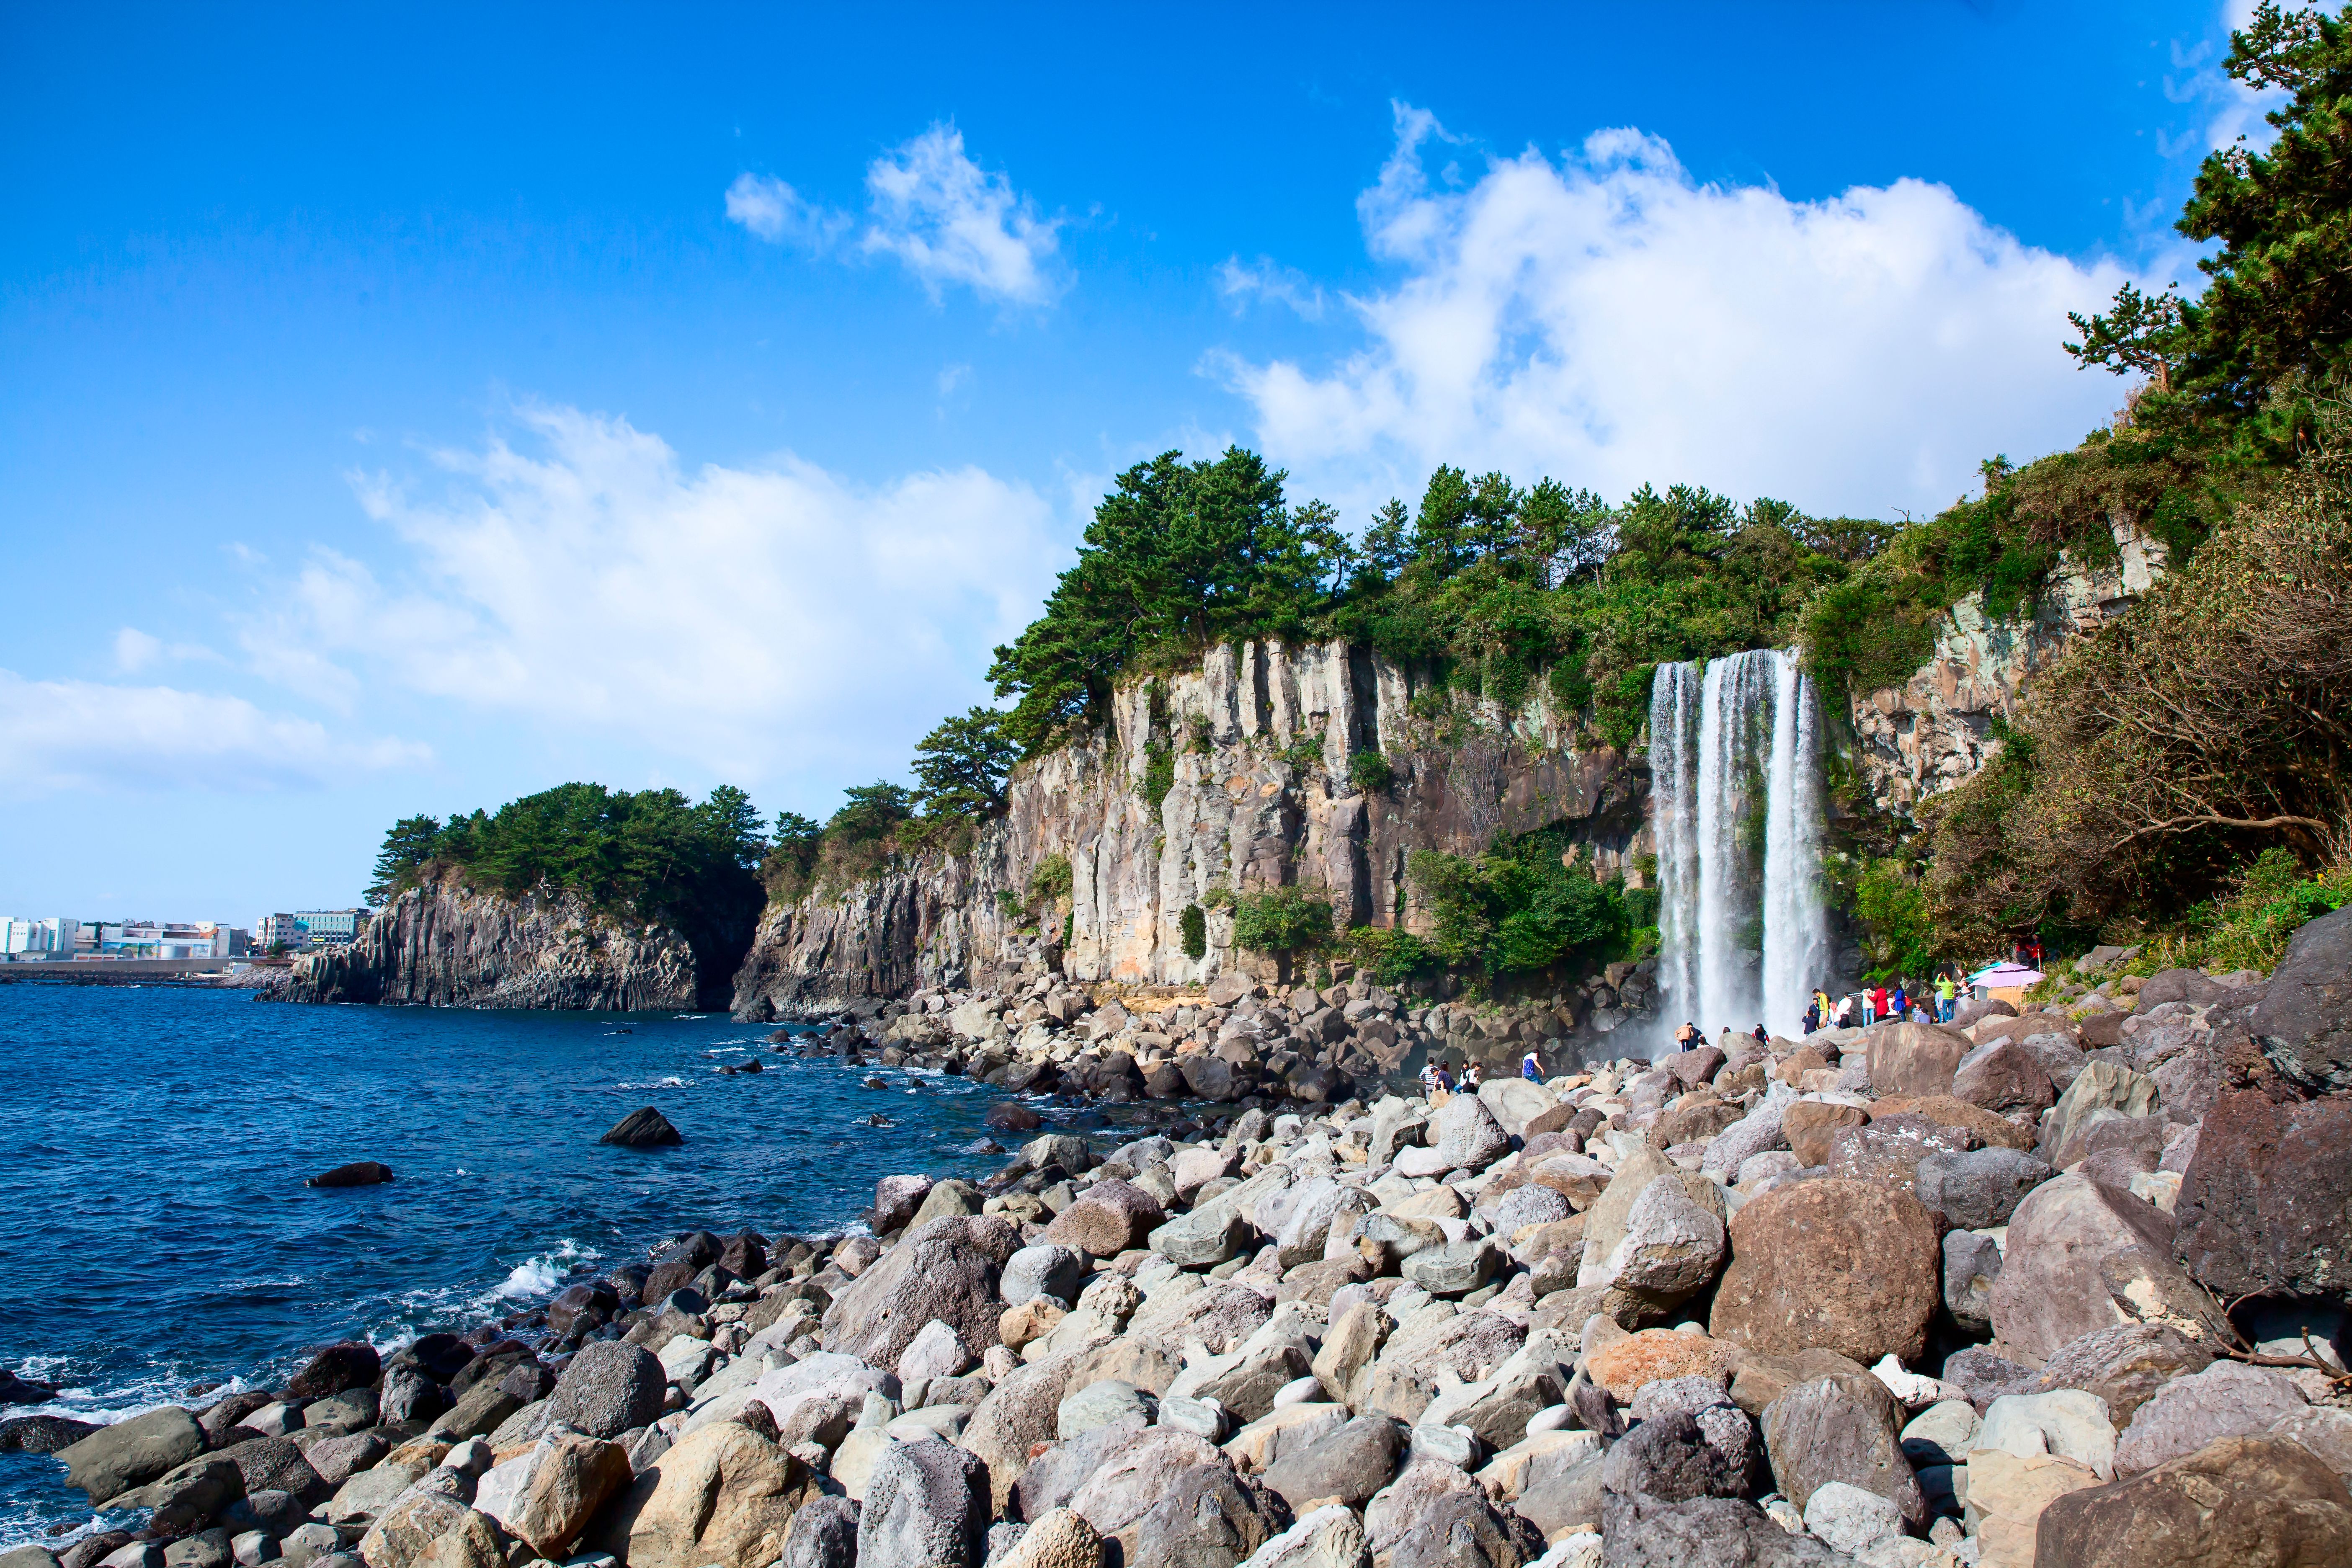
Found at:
[652, 1083]
[539, 1276]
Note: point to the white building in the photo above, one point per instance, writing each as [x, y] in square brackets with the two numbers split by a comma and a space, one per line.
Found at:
[334, 928]
[52, 935]
[286, 930]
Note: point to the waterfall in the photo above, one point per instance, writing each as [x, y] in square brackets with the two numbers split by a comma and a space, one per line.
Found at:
[1736, 770]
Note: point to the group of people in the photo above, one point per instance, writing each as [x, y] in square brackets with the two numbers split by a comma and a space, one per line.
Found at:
[1437, 1081]
[1931, 1003]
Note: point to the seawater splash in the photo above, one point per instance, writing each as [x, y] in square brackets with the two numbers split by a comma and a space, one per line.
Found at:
[1735, 770]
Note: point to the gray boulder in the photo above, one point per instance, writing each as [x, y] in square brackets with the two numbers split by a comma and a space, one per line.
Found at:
[927, 1506]
[1349, 1465]
[1980, 1188]
[1841, 1428]
[1971, 1267]
[1668, 1457]
[1456, 1269]
[1463, 1530]
[1047, 1269]
[113, 1459]
[1466, 1135]
[823, 1535]
[608, 1388]
[1203, 1239]
[945, 1269]
[2305, 1022]
[1208, 1517]
[1705, 1532]
[2228, 1399]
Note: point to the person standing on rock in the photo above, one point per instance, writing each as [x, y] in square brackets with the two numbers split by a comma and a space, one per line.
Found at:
[1531, 1068]
[1946, 989]
[1902, 1001]
[1813, 1013]
[1878, 1003]
[1471, 1078]
[1761, 1036]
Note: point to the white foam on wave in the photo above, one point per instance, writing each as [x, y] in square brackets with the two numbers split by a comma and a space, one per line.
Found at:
[654, 1083]
[539, 1276]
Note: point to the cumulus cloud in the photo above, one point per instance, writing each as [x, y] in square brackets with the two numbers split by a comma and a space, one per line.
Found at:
[757, 621]
[948, 220]
[1608, 319]
[934, 210]
[1267, 278]
[780, 215]
[60, 735]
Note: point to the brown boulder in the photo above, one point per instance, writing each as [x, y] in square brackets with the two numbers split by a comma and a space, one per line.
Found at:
[2004, 1076]
[1915, 1058]
[1695, 1119]
[2241, 1502]
[1888, 1149]
[1108, 1219]
[1799, 1062]
[1623, 1366]
[1994, 1131]
[1850, 1267]
[724, 1494]
[2267, 1205]
[1811, 1124]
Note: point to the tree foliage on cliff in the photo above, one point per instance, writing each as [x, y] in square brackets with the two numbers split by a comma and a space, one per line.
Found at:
[1529, 904]
[642, 853]
[2209, 720]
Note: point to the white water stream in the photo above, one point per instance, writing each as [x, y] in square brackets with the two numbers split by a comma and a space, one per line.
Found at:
[1735, 786]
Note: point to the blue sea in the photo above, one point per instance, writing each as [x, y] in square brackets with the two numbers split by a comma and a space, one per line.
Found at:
[155, 1231]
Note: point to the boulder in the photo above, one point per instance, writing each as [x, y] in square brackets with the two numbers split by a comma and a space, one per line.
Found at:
[1347, 1465]
[2303, 1023]
[2228, 1399]
[644, 1127]
[1810, 1125]
[946, 1270]
[1625, 1366]
[1849, 1266]
[1045, 1269]
[1978, 1189]
[608, 1388]
[1133, 1478]
[184, 1500]
[547, 1495]
[723, 1495]
[825, 1535]
[400, 1534]
[1455, 1269]
[1330, 1537]
[1913, 1058]
[113, 1459]
[2254, 1502]
[1668, 1457]
[2124, 1364]
[1466, 1136]
[1705, 1532]
[1110, 1217]
[1514, 1102]
[1979, 1124]
[1208, 1517]
[2082, 1256]
[1018, 1415]
[358, 1173]
[1850, 1519]
[1670, 1248]
[1888, 1149]
[1203, 1239]
[935, 1352]
[2004, 1076]
[2326, 1431]
[1841, 1428]
[927, 1506]
[1971, 1265]
[1759, 1130]
[2265, 1207]
[2101, 1086]
[2006, 1497]
[895, 1201]
[1463, 1530]
[42, 1433]
[2066, 1422]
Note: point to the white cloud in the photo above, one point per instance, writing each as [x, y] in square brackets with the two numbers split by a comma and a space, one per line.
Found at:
[135, 650]
[779, 215]
[948, 220]
[1610, 320]
[2232, 110]
[1265, 279]
[756, 621]
[78, 734]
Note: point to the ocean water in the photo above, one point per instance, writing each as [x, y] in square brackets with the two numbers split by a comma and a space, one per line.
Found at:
[155, 1229]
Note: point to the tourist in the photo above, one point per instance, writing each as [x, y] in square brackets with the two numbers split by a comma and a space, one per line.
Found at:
[1845, 1011]
[1531, 1068]
[1919, 1013]
[1429, 1080]
[1877, 1000]
[1760, 1036]
[1901, 1003]
[1471, 1078]
[1947, 992]
[1686, 1036]
[1443, 1090]
[1812, 1015]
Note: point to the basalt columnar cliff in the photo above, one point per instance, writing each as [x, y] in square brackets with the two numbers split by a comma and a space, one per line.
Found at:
[446, 945]
[1261, 739]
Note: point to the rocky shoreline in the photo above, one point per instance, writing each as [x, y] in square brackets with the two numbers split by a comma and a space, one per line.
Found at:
[2030, 1289]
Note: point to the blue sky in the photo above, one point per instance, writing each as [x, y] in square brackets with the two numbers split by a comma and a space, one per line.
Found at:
[407, 408]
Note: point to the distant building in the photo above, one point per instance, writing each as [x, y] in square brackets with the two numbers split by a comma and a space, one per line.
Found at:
[165, 939]
[282, 931]
[53, 936]
[334, 928]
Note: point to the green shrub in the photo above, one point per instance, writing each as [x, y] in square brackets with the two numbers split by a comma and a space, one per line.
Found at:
[1218, 897]
[1369, 772]
[1050, 881]
[1008, 904]
[1194, 923]
[1391, 958]
[1304, 754]
[1518, 908]
[1892, 906]
[1281, 919]
[1159, 774]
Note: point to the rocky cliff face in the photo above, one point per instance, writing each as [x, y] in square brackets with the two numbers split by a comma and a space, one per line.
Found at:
[1256, 748]
[1935, 730]
[448, 945]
